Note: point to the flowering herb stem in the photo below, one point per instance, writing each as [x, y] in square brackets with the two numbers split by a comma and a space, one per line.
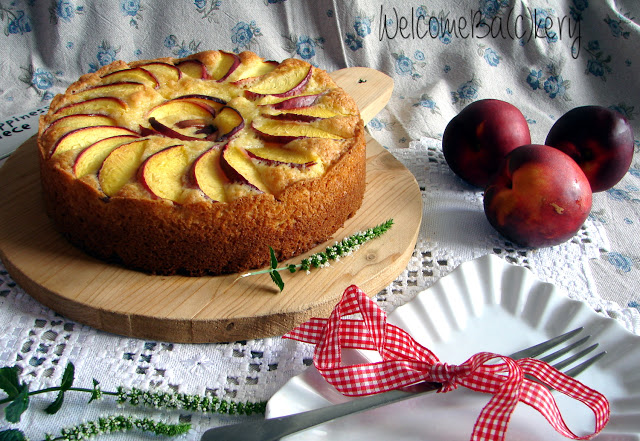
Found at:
[319, 260]
[119, 423]
[18, 395]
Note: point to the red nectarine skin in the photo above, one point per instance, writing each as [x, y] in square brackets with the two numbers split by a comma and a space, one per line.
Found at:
[199, 97]
[163, 130]
[295, 89]
[99, 102]
[478, 138]
[141, 73]
[234, 65]
[239, 125]
[538, 197]
[275, 162]
[280, 139]
[600, 140]
[196, 65]
[231, 173]
[292, 117]
[296, 102]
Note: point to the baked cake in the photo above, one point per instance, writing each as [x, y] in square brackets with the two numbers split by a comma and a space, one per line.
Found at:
[198, 165]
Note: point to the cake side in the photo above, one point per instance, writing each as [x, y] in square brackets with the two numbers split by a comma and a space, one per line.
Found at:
[159, 237]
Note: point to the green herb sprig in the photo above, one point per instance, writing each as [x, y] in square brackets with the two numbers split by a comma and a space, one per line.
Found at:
[118, 423]
[319, 260]
[18, 398]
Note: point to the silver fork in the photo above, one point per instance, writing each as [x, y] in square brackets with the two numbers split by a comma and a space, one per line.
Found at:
[272, 429]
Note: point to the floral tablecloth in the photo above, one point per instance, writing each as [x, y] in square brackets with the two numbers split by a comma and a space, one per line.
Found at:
[543, 56]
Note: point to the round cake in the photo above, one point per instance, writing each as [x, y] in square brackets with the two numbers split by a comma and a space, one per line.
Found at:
[198, 165]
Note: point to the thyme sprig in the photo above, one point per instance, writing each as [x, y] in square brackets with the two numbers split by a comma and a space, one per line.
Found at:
[18, 397]
[340, 249]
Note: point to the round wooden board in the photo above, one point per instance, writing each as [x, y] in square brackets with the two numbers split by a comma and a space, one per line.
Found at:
[209, 309]
[199, 309]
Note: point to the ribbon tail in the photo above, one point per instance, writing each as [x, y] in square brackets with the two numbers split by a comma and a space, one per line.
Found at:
[494, 418]
[311, 331]
[540, 398]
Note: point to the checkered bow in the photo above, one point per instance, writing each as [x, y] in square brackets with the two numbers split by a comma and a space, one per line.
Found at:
[405, 362]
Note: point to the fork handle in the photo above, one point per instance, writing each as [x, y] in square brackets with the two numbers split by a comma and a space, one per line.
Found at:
[272, 429]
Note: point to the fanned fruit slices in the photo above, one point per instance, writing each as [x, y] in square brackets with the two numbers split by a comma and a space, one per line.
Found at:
[212, 128]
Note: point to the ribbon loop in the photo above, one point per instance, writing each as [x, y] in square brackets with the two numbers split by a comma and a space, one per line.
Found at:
[406, 362]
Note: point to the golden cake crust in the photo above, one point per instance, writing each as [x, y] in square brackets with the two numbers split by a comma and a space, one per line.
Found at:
[290, 207]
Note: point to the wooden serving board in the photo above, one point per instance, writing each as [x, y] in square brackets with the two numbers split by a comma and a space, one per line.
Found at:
[208, 309]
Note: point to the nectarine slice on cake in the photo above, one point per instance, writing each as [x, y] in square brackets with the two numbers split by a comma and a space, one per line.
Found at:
[304, 108]
[164, 72]
[228, 63]
[168, 118]
[124, 88]
[238, 168]
[311, 112]
[68, 123]
[209, 102]
[285, 132]
[278, 166]
[280, 156]
[178, 109]
[103, 105]
[121, 165]
[134, 74]
[308, 114]
[161, 129]
[247, 73]
[229, 122]
[286, 83]
[82, 138]
[90, 159]
[193, 68]
[163, 173]
[207, 175]
[296, 102]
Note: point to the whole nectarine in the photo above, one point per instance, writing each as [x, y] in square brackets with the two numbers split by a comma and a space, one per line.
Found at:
[478, 138]
[538, 197]
[599, 139]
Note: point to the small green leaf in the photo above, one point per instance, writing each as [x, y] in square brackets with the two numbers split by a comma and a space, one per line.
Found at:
[96, 393]
[9, 381]
[67, 382]
[68, 377]
[275, 276]
[19, 404]
[12, 435]
[56, 405]
[274, 261]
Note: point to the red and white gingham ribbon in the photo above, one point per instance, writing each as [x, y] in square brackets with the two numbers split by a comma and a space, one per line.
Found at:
[406, 362]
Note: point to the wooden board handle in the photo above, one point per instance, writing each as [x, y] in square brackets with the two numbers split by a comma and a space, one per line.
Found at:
[371, 89]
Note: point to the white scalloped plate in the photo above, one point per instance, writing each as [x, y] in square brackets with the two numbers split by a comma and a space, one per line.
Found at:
[483, 305]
